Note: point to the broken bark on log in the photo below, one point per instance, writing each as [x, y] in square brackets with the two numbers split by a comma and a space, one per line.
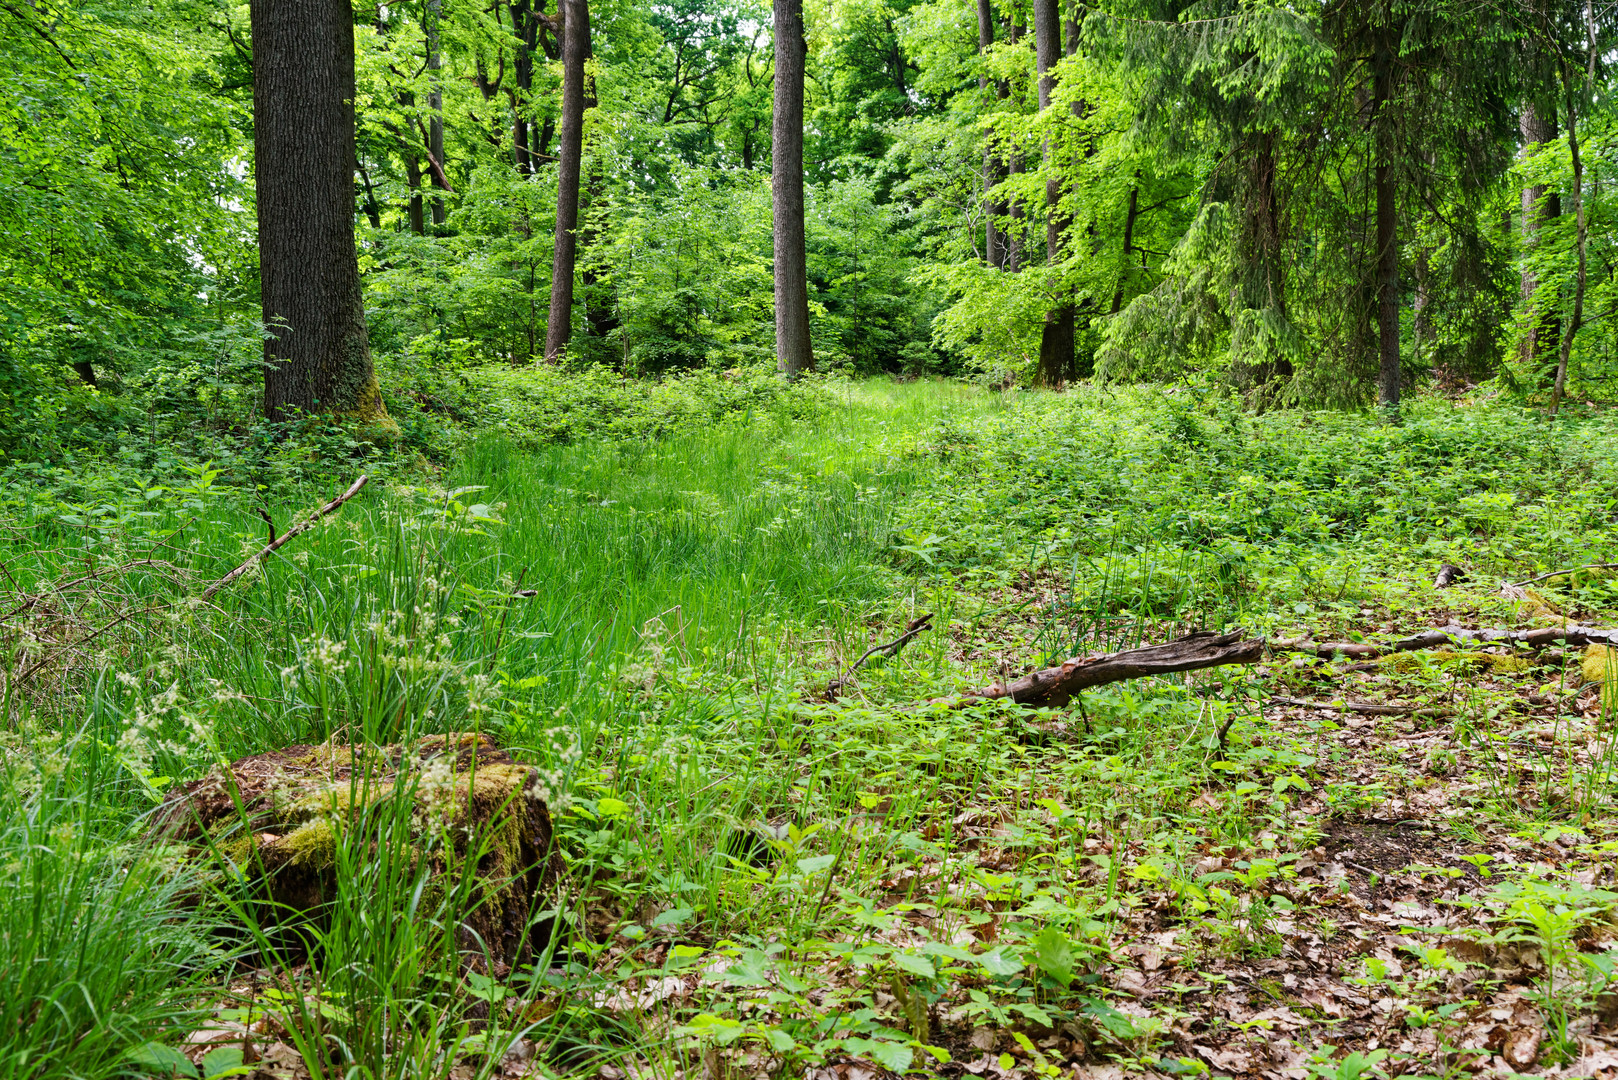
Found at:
[1055, 687]
[280, 818]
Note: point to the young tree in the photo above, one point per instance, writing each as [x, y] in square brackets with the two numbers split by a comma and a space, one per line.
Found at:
[793, 352]
[318, 352]
[575, 15]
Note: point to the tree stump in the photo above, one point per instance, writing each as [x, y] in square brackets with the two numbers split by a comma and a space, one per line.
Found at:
[280, 817]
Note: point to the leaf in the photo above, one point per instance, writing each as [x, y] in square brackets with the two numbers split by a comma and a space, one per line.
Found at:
[998, 964]
[223, 1061]
[916, 965]
[779, 1040]
[816, 864]
[163, 1059]
[609, 807]
[673, 916]
[1053, 953]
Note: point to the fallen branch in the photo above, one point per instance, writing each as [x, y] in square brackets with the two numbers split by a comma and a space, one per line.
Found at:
[293, 531]
[1365, 707]
[1536, 638]
[1569, 570]
[889, 649]
[1056, 686]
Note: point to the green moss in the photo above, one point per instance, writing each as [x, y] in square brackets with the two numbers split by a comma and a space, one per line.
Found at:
[312, 844]
[1449, 659]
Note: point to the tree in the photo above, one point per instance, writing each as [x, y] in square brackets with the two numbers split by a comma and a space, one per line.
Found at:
[1056, 342]
[575, 16]
[793, 351]
[317, 352]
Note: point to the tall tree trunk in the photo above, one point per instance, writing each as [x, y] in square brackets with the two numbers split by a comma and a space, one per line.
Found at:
[435, 107]
[1056, 342]
[1537, 124]
[1129, 246]
[411, 151]
[992, 240]
[575, 54]
[1387, 247]
[317, 354]
[1014, 167]
[793, 351]
[525, 27]
[1581, 234]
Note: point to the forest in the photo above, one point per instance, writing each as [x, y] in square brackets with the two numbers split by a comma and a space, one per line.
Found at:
[703, 539]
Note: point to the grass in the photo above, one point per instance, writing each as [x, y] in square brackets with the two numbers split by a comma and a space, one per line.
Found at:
[762, 880]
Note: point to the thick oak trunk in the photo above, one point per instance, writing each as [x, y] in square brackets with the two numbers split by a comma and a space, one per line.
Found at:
[793, 351]
[317, 355]
[575, 54]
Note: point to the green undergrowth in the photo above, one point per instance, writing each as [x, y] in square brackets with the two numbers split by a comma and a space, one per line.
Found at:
[653, 624]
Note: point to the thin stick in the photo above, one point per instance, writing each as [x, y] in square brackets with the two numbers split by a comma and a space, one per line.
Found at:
[1569, 570]
[295, 530]
[916, 627]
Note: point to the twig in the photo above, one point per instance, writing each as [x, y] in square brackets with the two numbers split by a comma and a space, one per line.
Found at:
[295, 530]
[892, 648]
[1569, 570]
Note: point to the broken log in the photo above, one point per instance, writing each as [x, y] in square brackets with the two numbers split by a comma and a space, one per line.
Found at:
[280, 819]
[1055, 687]
[1536, 638]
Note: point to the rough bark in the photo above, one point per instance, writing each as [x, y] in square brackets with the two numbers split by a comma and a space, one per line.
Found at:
[1387, 246]
[1537, 125]
[793, 351]
[278, 818]
[575, 54]
[1056, 342]
[317, 354]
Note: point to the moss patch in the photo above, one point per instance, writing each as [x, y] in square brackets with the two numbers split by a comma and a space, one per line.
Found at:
[285, 816]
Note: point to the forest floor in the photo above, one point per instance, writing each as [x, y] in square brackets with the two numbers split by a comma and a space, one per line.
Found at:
[1298, 868]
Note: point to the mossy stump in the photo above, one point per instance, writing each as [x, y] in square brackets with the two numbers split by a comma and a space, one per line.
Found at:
[279, 817]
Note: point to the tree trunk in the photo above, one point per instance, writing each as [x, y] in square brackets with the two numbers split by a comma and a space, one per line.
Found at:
[1056, 342]
[410, 151]
[793, 351]
[992, 240]
[525, 26]
[1387, 247]
[435, 107]
[575, 54]
[1539, 206]
[1012, 242]
[317, 355]
[1129, 246]
[1581, 234]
